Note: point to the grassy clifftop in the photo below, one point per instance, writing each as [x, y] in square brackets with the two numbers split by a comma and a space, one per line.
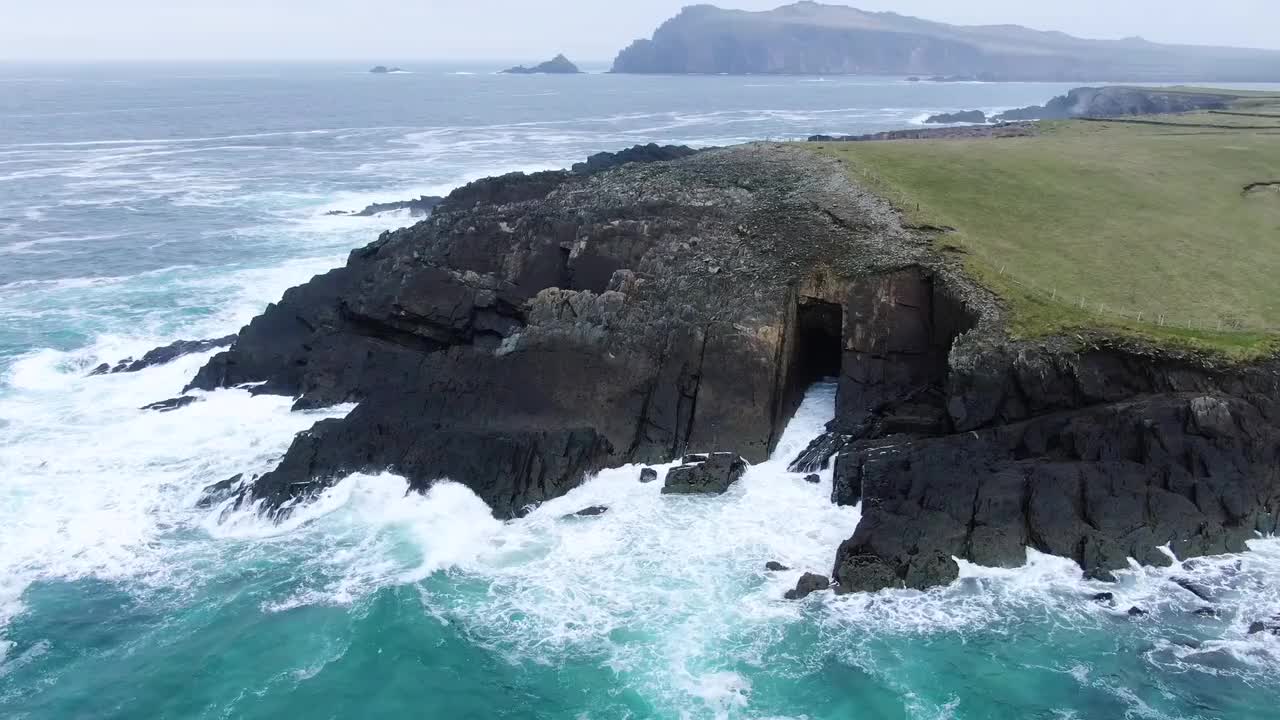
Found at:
[1155, 230]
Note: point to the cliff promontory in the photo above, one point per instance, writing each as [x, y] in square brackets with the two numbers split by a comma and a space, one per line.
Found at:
[540, 327]
[812, 38]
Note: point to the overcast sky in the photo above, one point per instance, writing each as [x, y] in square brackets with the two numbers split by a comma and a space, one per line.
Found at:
[397, 30]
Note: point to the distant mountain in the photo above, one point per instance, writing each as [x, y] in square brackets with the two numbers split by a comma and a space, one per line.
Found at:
[559, 65]
[811, 38]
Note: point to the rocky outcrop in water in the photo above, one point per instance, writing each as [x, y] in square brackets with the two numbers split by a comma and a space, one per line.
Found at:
[559, 65]
[163, 355]
[1115, 101]
[417, 208]
[539, 327]
[710, 474]
[965, 116]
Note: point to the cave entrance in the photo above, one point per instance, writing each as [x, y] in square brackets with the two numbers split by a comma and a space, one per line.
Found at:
[819, 346]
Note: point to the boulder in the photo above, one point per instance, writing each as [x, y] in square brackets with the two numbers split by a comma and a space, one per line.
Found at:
[648, 475]
[775, 566]
[1137, 612]
[1194, 588]
[1105, 597]
[812, 479]
[171, 404]
[808, 584]
[705, 475]
[592, 511]
[218, 492]
[1266, 626]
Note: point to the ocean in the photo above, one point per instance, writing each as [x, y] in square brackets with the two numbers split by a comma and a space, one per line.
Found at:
[140, 204]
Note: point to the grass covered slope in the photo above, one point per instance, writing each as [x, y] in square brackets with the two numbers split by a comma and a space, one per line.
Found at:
[1128, 218]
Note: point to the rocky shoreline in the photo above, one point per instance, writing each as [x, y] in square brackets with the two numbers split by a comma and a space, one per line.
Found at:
[536, 328]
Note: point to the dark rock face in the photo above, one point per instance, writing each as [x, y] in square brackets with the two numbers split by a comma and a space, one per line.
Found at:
[559, 65]
[705, 474]
[967, 132]
[1115, 101]
[1266, 626]
[539, 327]
[808, 585]
[417, 208]
[648, 475]
[966, 116]
[639, 153]
[164, 355]
[775, 566]
[825, 39]
[171, 404]
[1096, 457]
[218, 492]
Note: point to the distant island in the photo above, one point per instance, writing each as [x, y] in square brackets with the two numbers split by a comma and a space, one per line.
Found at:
[811, 38]
[383, 70]
[559, 65]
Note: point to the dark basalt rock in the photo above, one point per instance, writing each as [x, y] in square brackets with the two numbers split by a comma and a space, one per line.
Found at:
[1195, 588]
[171, 404]
[648, 475]
[218, 492]
[1105, 597]
[965, 116]
[164, 355]
[808, 584]
[1137, 612]
[964, 132]
[775, 566]
[559, 65]
[1266, 626]
[593, 511]
[705, 474]
[812, 479]
[539, 327]
[1117, 101]
[639, 153]
[417, 208]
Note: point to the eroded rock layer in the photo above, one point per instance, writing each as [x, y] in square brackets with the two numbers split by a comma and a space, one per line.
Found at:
[539, 327]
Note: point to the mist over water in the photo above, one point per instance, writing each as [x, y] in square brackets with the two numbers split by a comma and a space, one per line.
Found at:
[139, 205]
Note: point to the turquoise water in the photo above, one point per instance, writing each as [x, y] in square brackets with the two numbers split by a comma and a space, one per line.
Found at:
[143, 204]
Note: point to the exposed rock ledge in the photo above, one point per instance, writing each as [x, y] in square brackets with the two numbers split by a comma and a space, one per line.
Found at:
[540, 327]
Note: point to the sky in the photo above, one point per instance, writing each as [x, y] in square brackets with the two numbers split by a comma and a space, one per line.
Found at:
[586, 30]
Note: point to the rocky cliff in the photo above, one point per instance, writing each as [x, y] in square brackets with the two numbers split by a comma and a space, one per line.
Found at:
[812, 38]
[538, 327]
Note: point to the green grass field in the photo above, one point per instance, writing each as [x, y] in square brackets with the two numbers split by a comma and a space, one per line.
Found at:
[1133, 222]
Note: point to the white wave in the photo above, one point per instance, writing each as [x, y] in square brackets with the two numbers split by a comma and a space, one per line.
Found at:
[95, 487]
